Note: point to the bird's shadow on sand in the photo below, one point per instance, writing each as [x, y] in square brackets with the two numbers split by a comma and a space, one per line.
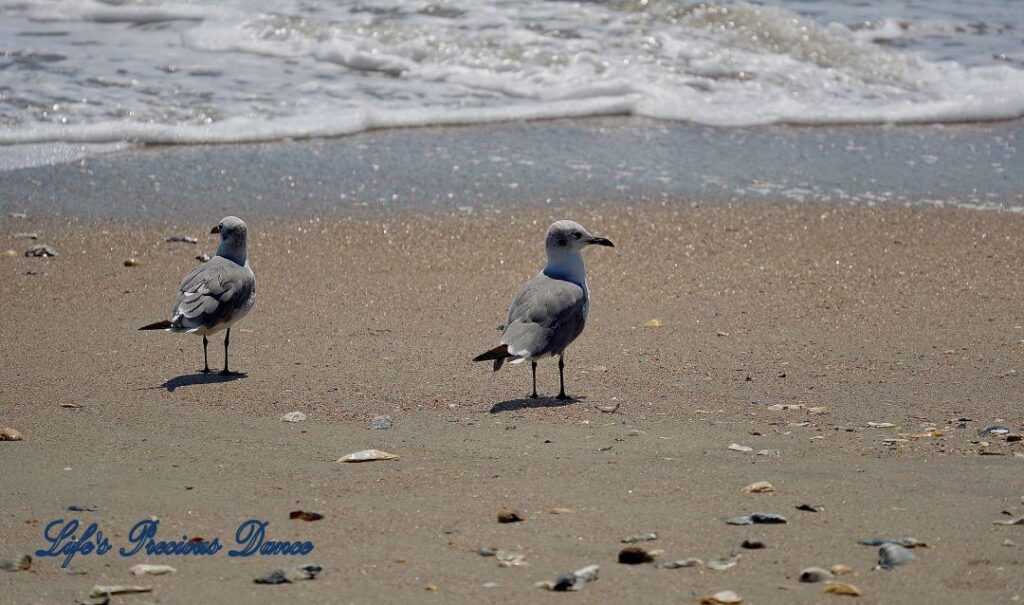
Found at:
[187, 380]
[523, 403]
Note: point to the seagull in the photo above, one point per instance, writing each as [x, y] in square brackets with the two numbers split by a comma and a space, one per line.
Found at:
[550, 310]
[217, 293]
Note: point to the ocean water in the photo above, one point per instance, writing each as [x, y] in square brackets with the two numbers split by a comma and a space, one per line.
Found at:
[172, 71]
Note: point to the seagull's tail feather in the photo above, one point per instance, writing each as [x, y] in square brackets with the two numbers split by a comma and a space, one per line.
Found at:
[160, 325]
[499, 354]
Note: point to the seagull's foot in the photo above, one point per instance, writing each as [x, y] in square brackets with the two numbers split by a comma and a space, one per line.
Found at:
[204, 371]
[563, 397]
[227, 372]
[533, 396]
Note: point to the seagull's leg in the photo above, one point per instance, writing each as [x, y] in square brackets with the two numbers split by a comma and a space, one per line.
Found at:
[533, 365]
[227, 341]
[561, 378]
[206, 360]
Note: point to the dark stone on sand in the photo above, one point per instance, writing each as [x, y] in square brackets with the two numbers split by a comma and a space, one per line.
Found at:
[509, 515]
[634, 555]
[757, 519]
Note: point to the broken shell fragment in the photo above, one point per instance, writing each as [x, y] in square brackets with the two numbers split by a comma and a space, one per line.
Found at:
[507, 558]
[723, 597]
[303, 515]
[1011, 521]
[293, 417]
[892, 555]
[841, 588]
[759, 487]
[572, 581]
[102, 591]
[811, 508]
[640, 538]
[723, 563]
[144, 569]
[608, 409]
[367, 456]
[840, 570]
[757, 519]
[653, 323]
[691, 562]
[740, 448]
[41, 250]
[904, 542]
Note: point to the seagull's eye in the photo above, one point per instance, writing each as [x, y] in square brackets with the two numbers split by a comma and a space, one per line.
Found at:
[577, 235]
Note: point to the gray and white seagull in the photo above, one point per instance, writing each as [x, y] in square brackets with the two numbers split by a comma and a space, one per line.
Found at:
[217, 293]
[550, 310]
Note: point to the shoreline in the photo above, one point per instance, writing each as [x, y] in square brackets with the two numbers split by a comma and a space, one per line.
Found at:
[626, 160]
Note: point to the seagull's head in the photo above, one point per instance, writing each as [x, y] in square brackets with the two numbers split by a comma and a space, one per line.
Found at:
[571, 236]
[231, 229]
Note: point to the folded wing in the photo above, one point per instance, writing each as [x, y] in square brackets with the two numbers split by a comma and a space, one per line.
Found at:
[546, 315]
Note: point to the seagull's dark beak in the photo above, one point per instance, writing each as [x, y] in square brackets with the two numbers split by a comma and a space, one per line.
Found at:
[601, 241]
[215, 229]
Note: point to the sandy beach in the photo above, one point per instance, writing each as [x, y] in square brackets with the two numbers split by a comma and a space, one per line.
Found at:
[785, 327]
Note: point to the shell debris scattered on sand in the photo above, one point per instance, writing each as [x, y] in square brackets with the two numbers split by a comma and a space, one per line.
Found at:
[842, 588]
[572, 581]
[41, 250]
[758, 487]
[367, 456]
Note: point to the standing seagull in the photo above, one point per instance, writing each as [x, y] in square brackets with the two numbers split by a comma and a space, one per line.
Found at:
[550, 310]
[217, 293]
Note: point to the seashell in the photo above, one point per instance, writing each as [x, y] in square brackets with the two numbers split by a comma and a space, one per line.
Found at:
[103, 591]
[723, 563]
[904, 542]
[640, 538]
[769, 453]
[9, 254]
[842, 588]
[740, 448]
[202, 257]
[840, 570]
[9, 434]
[892, 555]
[608, 409]
[572, 581]
[815, 574]
[653, 323]
[41, 250]
[691, 562]
[723, 597]
[303, 515]
[758, 487]
[881, 425]
[144, 569]
[1011, 521]
[367, 456]
[993, 430]
[561, 510]
[294, 417]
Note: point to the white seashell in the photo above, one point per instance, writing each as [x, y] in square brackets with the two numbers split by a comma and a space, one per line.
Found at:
[367, 456]
[293, 417]
[143, 569]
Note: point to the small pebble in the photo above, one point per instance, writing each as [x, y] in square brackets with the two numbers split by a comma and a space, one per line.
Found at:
[752, 544]
[757, 519]
[640, 538]
[203, 257]
[303, 515]
[634, 555]
[811, 508]
[691, 562]
[740, 448]
[572, 581]
[132, 262]
[510, 515]
[20, 563]
[380, 423]
[892, 555]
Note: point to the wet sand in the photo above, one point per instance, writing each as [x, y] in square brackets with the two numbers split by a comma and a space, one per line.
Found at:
[910, 316]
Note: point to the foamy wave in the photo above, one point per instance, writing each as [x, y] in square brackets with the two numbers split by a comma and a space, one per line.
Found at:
[254, 70]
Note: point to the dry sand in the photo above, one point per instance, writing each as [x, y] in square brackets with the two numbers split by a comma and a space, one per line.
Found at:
[908, 316]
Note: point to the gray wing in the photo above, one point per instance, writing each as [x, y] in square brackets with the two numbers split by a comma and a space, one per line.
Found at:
[211, 294]
[546, 315]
